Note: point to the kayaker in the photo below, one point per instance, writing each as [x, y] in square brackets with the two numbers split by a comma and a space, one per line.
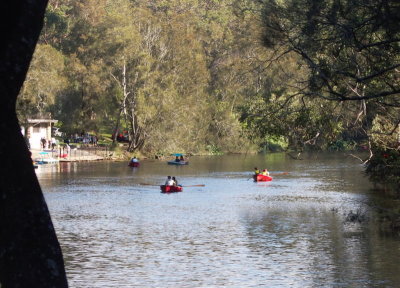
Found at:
[177, 159]
[134, 159]
[181, 158]
[265, 172]
[256, 171]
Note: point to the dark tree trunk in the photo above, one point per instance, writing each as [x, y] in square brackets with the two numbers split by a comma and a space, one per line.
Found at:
[30, 255]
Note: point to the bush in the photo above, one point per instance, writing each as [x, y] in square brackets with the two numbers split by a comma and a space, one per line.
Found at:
[342, 145]
[384, 167]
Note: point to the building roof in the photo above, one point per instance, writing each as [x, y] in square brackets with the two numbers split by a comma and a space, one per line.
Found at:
[42, 121]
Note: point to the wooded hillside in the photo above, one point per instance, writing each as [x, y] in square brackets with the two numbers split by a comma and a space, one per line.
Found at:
[175, 70]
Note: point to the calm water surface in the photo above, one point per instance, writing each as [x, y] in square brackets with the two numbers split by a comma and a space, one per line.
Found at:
[117, 230]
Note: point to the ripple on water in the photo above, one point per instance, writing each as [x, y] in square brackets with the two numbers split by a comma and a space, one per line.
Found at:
[117, 232]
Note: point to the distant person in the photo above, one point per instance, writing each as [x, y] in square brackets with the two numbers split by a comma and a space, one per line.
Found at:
[169, 181]
[177, 159]
[175, 181]
[53, 143]
[265, 172]
[256, 171]
[43, 142]
[68, 150]
[134, 160]
[181, 158]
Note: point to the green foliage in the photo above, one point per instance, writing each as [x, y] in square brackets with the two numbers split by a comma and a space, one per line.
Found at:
[44, 82]
[155, 68]
[351, 47]
[351, 51]
[342, 145]
[384, 167]
[276, 144]
[214, 150]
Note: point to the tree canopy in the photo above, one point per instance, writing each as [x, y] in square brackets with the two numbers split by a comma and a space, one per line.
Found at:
[148, 67]
[351, 51]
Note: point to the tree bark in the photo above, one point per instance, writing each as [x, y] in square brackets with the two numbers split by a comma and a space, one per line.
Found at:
[136, 139]
[30, 255]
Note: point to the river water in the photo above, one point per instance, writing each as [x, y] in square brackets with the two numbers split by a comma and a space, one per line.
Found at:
[117, 230]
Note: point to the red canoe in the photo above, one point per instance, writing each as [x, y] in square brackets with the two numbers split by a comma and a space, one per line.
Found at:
[170, 189]
[134, 164]
[261, 178]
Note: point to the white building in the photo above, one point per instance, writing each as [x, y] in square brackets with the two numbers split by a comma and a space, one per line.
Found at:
[37, 129]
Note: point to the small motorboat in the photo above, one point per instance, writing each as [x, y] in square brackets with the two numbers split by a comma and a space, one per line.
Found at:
[170, 189]
[261, 178]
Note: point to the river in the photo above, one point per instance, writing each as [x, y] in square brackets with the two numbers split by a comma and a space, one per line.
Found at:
[117, 230]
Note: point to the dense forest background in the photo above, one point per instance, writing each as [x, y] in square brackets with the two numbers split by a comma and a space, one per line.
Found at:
[224, 75]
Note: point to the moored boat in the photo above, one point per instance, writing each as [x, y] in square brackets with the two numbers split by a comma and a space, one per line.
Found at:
[50, 160]
[261, 178]
[170, 189]
[45, 158]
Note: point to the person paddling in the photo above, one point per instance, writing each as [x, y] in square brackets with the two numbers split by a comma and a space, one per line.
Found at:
[256, 171]
[265, 172]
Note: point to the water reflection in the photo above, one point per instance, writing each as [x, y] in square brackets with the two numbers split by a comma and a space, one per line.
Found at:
[117, 232]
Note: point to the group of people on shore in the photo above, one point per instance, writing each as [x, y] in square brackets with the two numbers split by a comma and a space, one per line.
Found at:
[45, 143]
[263, 172]
[171, 181]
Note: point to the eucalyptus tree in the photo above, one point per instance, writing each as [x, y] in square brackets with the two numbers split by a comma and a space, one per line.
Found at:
[174, 92]
[119, 48]
[43, 83]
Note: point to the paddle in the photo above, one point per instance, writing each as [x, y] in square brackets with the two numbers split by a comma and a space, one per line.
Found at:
[146, 184]
[198, 185]
[281, 173]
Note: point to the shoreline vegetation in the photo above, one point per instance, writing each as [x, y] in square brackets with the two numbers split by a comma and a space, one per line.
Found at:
[118, 152]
